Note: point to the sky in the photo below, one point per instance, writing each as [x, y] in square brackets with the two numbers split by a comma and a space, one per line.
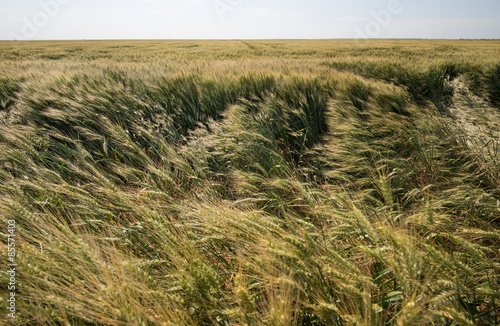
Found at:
[248, 19]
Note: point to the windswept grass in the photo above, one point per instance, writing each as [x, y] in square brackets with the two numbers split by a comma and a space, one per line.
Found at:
[493, 86]
[252, 183]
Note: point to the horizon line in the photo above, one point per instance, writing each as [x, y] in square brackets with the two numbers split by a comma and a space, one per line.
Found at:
[256, 39]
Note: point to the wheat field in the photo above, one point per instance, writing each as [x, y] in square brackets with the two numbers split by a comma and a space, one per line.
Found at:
[263, 182]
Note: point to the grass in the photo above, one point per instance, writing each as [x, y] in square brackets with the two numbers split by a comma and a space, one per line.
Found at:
[252, 183]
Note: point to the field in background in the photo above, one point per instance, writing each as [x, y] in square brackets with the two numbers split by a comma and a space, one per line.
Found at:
[333, 182]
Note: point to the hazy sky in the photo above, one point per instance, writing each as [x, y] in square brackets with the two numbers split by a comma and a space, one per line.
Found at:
[223, 19]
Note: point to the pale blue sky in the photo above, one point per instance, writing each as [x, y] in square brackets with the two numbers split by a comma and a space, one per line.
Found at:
[241, 19]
